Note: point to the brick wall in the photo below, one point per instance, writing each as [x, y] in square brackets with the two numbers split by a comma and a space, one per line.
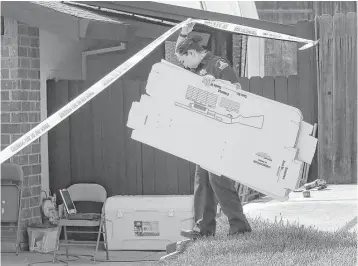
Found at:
[20, 109]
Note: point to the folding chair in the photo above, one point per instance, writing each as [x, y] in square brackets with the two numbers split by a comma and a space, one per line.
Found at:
[11, 194]
[83, 192]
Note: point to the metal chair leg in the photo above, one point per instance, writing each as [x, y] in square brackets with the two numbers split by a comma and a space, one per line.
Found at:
[105, 237]
[57, 244]
[98, 237]
[65, 231]
[18, 232]
[17, 245]
[17, 249]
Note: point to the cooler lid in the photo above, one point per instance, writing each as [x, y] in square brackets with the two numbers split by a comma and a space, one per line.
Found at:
[149, 202]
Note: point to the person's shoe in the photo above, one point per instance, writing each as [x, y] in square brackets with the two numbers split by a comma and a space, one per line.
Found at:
[194, 234]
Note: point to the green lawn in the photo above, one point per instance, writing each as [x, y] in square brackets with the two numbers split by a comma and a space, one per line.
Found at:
[269, 244]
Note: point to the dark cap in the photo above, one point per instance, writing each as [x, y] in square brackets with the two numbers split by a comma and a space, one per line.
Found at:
[190, 43]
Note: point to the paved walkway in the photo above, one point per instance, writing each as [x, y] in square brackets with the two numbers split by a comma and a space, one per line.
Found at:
[332, 209]
[120, 258]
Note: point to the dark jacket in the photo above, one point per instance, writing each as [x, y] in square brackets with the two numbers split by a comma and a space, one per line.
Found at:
[218, 67]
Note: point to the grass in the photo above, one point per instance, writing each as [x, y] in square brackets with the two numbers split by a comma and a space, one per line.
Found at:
[269, 244]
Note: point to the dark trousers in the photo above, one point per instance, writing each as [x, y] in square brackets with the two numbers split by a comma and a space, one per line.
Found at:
[209, 189]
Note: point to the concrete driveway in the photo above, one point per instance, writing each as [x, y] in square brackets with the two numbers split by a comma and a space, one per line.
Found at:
[332, 209]
[120, 258]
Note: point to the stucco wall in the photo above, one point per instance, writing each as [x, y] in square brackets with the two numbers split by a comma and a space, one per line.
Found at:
[100, 65]
[60, 58]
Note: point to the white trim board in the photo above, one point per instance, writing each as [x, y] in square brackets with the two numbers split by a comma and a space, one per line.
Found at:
[121, 47]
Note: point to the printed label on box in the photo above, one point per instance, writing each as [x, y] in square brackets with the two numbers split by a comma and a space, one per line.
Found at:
[263, 159]
[146, 228]
[282, 170]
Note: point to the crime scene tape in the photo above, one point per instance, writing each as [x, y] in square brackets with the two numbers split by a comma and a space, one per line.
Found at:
[234, 28]
[115, 74]
[84, 97]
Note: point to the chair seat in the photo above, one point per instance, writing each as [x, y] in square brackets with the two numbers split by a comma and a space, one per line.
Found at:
[66, 222]
[64, 242]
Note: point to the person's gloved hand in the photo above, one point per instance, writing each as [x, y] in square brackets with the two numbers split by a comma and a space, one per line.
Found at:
[238, 86]
[208, 80]
[187, 28]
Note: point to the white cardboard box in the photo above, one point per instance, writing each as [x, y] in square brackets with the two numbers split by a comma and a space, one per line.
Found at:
[253, 140]
[147, 222]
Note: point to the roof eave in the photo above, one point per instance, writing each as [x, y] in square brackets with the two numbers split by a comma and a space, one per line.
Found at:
[178, 13]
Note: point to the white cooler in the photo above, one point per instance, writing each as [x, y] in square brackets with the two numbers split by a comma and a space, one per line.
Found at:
[147, 222]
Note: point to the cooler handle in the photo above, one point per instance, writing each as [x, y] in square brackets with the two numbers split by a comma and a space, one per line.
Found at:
[171, 213]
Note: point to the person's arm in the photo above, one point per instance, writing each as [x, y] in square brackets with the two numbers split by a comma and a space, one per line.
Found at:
[184, 33]
[228, 75]
[225, 72]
